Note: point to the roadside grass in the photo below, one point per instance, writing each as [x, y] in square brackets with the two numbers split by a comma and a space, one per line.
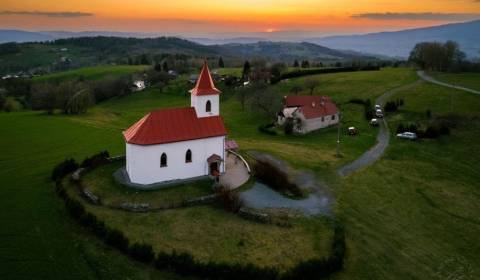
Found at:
[92, 73]
[101, 182]
[468, 80]
[416, 211]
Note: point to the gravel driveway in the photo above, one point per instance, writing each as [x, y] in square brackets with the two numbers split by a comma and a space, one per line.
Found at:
[383, 138]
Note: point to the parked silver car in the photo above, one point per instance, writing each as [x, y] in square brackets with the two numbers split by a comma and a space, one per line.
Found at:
[407, 135]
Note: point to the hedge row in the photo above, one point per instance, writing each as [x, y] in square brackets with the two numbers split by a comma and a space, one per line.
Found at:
[267, 129]
[308, 72]
[275, 178]
[185, 263]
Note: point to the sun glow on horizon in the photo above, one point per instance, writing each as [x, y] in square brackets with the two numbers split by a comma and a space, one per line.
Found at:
[232, 16]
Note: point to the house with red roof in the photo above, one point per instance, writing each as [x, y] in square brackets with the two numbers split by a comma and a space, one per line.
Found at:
[179, 143]
[309, 113]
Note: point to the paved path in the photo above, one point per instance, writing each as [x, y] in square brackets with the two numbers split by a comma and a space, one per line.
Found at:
[383, 138]
[236, 173]
[429, 79]
[262, 197]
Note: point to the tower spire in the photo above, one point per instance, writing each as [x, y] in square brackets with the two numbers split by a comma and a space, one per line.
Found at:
[205, 85]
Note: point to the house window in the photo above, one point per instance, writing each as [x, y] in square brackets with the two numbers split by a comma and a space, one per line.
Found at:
[333, 117]
[188, 156]
[163, 160]
[208, 107]
[323, 119]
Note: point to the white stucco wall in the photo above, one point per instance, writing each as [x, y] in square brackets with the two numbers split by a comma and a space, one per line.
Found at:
[309, 125]
[143, 162]
[200, 102]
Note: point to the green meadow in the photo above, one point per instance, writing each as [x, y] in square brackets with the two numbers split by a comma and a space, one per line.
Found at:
[411, 215]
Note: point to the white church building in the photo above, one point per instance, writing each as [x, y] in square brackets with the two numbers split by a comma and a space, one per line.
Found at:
[179, 143]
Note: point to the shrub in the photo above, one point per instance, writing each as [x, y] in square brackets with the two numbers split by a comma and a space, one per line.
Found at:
[229, 199]
[116, 239]
[369, 113]
[428, 113]
[288, 126]
[431, 132]
[63, 168]
[96, 160]
[142, 252]
[267, 129]
[275, 178]
[400, 128]
[357, 101]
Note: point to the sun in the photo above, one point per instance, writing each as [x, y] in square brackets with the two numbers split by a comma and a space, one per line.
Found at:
[270, 30]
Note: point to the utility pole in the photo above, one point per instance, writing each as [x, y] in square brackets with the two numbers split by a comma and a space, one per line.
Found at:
[338, 133]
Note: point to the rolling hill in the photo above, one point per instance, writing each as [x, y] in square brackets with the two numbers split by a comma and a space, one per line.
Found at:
[400, 43]
[287, 51]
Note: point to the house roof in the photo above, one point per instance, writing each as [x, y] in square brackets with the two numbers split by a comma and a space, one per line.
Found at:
[312, 106]
[173, 125]
[205, 85]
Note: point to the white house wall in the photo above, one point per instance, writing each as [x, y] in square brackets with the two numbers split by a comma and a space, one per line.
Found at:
[199, 102]
[143, 162]
[309, 125]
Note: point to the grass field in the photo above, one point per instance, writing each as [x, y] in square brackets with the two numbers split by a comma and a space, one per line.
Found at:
[92, 73]
[412, 215]
[468, 80]
[101, 182]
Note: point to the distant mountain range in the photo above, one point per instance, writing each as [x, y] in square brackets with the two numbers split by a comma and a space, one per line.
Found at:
[286, 51]
[400, 43]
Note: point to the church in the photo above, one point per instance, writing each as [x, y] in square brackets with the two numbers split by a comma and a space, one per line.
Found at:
[179, 143]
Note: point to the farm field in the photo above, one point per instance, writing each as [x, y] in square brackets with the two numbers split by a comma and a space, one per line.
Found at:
[419, 222]
[92, 73]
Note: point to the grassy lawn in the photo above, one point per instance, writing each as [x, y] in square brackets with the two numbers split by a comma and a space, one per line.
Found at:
[412, 215]
[92, 73]
[101, 182]
[468, 80]
[416, 211]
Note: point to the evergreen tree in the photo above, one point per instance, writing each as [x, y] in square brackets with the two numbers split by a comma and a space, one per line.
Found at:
[144, 59]
[220, 63]
[296, 64]
[165, 66]
[246, 70]
[157, 67]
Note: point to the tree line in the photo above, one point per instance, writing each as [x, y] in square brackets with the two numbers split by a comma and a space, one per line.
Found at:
[437, 56]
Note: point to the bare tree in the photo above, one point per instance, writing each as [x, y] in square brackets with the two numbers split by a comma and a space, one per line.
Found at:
[311, 84]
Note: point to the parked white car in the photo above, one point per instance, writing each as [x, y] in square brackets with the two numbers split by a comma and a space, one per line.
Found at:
[374, 122]
[407, 135]
[378, 107]
[379, 113]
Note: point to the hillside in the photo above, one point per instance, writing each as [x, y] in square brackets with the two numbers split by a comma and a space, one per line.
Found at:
[400, 43]
[72, 53]
[287, 51]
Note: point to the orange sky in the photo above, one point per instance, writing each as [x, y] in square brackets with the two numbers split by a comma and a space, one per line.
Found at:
[231, 17]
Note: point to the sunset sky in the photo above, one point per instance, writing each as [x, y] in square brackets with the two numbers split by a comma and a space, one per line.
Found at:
[234, 18]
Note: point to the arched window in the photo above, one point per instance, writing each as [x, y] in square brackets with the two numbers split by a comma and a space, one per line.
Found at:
[333, 117]
[163, 160]
[208, 106]
[188, 156]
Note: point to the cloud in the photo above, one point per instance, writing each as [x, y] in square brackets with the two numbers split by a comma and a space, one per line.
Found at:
[418, 16]
[47, 14]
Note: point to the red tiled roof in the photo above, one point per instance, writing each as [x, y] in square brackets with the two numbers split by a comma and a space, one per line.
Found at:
[312, 106]
[205, 84]
[173, 125]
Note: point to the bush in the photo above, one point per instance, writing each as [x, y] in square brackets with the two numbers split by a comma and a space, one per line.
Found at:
[63, 168]
[369, 113]
[275, 178]
[116, 239]
[142, 252]
[267, 129]
[229, 199]
[357, 101]
[96, 160]
[288, 126]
